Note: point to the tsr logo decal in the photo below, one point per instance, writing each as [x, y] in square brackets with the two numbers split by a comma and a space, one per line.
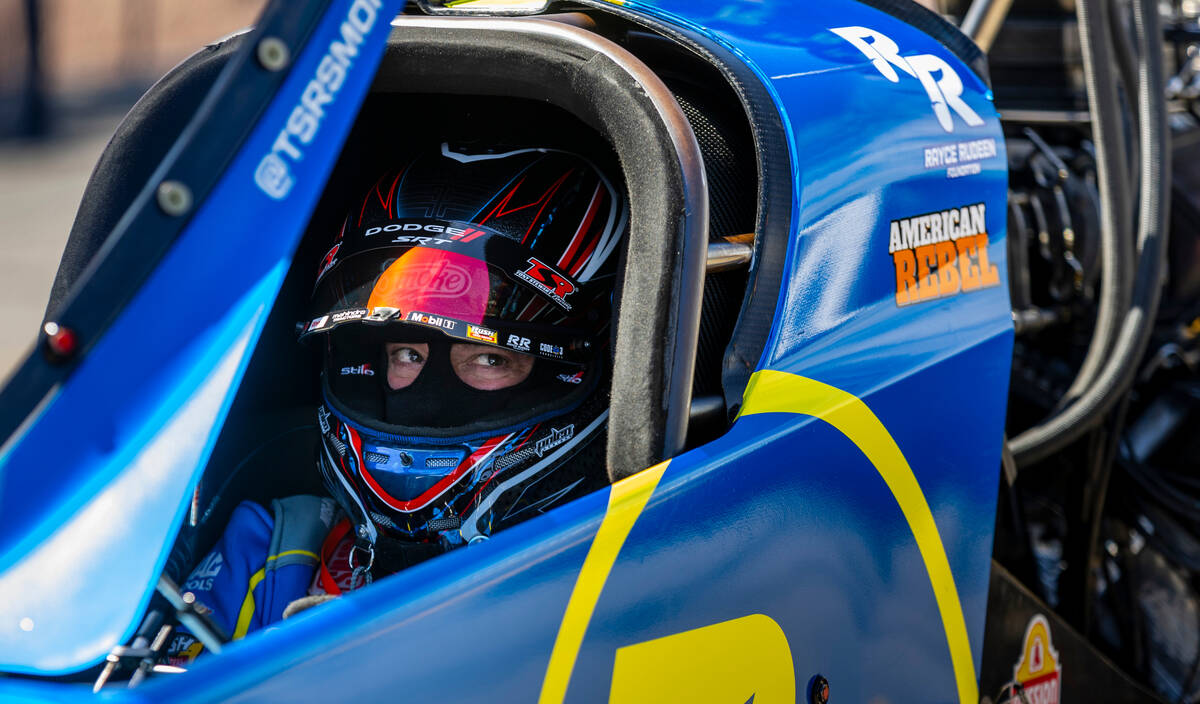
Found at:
[273, 175]
[939, 79]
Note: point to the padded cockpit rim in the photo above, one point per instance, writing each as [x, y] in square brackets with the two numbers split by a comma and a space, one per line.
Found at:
[775, 192]
[615, 93]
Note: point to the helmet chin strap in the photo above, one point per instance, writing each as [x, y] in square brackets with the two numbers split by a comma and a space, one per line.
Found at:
[361, 568]
[365, 532]
[368, 542]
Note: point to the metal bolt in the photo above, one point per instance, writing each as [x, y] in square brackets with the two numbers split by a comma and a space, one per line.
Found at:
[273, 54]
[174, 198]
[189, 598]
[406, 459]
[818, 690]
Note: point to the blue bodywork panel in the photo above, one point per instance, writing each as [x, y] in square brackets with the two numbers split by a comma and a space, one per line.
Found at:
[791, 515]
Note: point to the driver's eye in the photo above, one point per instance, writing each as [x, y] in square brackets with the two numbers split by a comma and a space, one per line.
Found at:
[407, 355]
[490, 360]
[487, 368]
[405, 361]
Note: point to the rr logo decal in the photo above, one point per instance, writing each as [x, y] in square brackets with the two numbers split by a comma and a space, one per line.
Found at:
[939, 79]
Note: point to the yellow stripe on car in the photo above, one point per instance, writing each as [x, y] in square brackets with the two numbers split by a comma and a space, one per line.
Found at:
[625, 503]
[772, 391]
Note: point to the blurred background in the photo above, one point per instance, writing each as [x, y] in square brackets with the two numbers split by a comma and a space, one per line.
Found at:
[69, 70]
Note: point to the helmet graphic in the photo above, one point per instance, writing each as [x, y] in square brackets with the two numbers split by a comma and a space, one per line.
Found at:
[463, 311]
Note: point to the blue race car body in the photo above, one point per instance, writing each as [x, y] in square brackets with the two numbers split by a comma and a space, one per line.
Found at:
[842, 527]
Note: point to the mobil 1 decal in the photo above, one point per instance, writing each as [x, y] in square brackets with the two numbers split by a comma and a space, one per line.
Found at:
[941, 254]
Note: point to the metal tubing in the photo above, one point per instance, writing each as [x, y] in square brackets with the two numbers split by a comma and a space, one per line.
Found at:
[982, 21]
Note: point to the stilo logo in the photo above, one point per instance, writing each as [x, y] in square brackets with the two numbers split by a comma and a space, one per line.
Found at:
[360, 370]
[548, 281]
[576, 378]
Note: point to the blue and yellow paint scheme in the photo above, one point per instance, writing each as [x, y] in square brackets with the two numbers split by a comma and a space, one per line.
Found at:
[842, 527]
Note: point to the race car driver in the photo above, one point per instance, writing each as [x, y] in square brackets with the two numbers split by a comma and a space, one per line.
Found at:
[463, 312]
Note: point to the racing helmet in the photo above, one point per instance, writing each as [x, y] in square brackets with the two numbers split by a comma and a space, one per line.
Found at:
[498, 257]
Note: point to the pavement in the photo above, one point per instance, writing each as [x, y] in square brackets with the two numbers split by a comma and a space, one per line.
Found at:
[41, 184]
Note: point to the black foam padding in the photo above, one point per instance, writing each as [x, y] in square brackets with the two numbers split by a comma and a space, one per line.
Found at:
[729, 167]
[729, 163]
[772, 226]
[136, 149]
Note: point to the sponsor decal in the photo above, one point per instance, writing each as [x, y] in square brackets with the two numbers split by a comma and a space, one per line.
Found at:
[183, 650]
[273, 175]
[381, 314]
[556, 437]
[545, 279]
[576, 378]
[941, 82]
[201, 578]
[343, 316]
[451, 233]
[960, 158]
[941, 254]
[551, 350]
[439, 279]
[518, 343]
[329, 260]
[1038, 671]
[318, 323]
[436, 321]
[482, 334]
[323, 418]
[360, 370]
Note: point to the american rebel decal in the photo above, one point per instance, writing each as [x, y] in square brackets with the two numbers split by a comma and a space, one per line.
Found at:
[941, 254]
[1038, 671]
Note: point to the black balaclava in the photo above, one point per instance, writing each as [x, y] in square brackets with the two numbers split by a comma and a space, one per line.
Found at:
[438, 398]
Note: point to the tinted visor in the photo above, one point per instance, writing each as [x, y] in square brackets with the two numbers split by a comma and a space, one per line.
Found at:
[466, 282]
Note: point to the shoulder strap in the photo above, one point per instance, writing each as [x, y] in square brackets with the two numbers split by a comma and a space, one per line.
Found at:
[301, 523]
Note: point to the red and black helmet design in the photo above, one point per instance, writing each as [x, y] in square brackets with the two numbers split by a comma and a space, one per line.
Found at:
[513, 250]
